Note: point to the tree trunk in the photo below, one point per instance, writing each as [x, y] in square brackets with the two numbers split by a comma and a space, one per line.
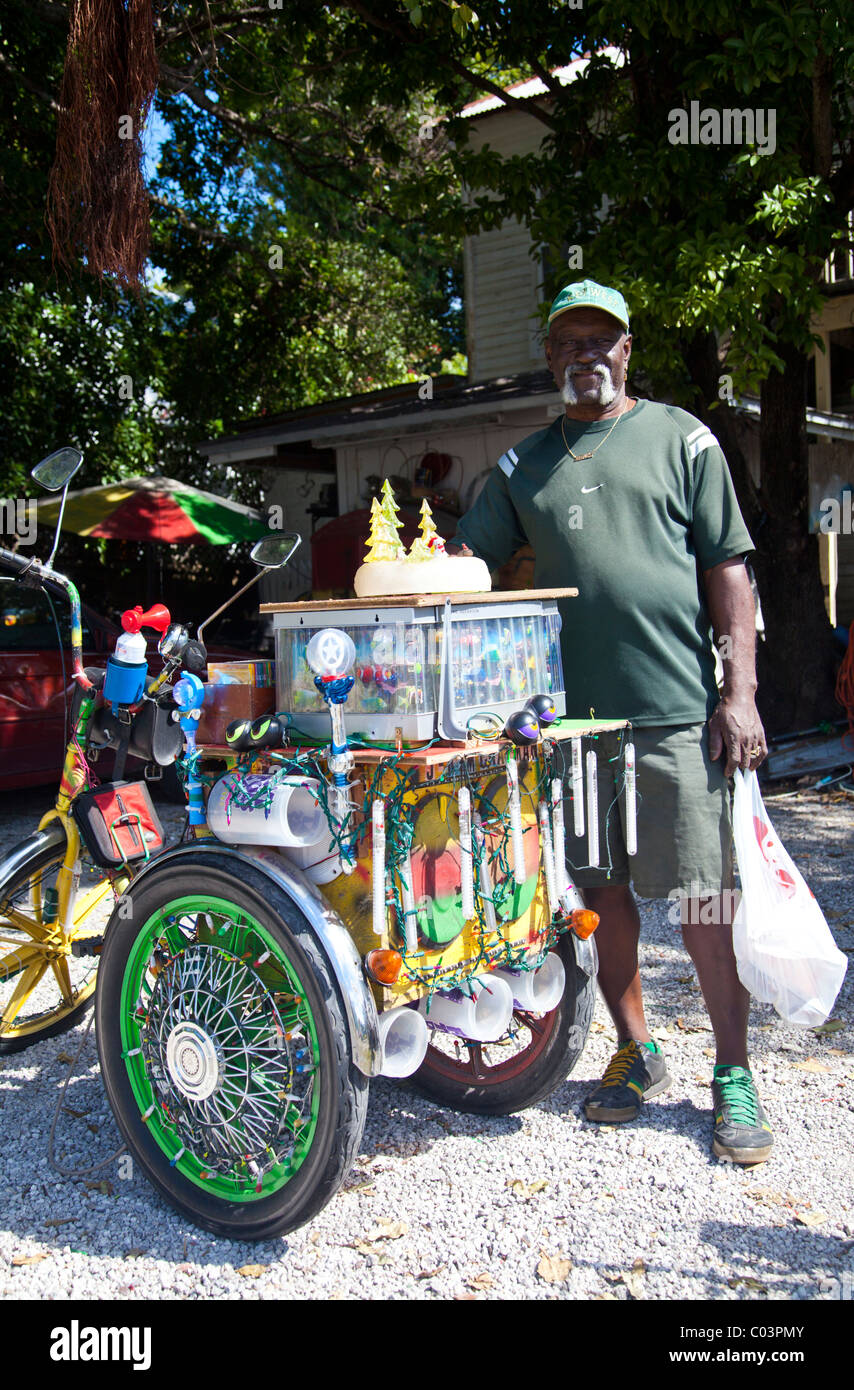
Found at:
[796, 664]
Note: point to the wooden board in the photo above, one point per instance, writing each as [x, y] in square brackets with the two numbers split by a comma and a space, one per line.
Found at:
[417, 600]
[439, 753]
[796, 759]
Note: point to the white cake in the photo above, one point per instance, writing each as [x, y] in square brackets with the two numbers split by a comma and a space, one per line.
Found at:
[441, 574]
[427, 569]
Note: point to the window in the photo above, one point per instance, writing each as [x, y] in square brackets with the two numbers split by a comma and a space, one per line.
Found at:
[27, 621]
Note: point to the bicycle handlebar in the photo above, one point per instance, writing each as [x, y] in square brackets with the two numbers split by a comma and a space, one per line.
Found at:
[30, 572]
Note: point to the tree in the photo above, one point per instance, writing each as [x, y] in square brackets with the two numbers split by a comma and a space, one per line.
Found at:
[383, 542]
[429, 543]
[278, 279]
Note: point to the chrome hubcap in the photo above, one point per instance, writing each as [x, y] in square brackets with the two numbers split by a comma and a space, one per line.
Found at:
[192, 1061]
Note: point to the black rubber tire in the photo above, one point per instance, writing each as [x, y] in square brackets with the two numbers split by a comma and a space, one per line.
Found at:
[343, 1103]
[568, 1024]
[39, 861]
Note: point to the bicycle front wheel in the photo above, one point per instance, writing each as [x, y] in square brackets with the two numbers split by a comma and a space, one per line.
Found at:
[45, 988]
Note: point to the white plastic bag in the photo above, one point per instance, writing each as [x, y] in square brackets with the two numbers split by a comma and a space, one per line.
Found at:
[784, 950]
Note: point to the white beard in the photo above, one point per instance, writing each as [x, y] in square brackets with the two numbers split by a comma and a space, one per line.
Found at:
[606, 393]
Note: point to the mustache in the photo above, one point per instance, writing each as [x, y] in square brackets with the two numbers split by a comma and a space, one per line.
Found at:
[605, 391]
[598, 367]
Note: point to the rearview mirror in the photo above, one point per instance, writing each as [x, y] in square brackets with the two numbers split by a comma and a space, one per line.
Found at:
[270, 553]
[55, 471]
[273, 551]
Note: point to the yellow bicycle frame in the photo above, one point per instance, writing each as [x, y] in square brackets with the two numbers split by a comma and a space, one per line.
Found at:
[50, 942]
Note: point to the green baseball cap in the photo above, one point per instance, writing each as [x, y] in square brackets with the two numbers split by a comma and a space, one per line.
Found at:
[586, 294]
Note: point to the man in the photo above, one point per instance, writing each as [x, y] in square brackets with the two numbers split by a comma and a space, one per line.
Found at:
[631, 501]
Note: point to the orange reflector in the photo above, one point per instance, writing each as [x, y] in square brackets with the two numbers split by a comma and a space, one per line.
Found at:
[384, 966]
[584, 922]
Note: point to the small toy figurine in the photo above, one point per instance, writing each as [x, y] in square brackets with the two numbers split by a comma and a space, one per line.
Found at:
[523, 727]
[544, 708]
[189, 695]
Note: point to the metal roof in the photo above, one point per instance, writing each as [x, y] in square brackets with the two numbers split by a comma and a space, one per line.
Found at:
[394, 408]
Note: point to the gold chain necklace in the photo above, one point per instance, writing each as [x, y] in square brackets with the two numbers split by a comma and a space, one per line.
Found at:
[580, 457]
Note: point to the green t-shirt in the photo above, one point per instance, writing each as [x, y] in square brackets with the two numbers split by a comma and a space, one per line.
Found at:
[633, 529]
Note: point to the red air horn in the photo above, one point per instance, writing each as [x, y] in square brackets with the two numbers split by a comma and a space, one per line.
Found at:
[157, 617]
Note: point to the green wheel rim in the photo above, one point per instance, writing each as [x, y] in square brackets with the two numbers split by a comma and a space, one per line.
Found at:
[221, 1048]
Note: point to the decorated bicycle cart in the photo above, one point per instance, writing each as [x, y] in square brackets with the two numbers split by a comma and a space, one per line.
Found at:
[376, 885]
[373, 879]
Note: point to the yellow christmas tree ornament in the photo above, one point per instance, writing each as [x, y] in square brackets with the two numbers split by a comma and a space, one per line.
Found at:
[391, 522]
[429, 544]
[383, 542]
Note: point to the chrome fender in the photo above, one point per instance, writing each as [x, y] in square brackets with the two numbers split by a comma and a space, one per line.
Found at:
[334, 939]
[586, 954]
[52, 837]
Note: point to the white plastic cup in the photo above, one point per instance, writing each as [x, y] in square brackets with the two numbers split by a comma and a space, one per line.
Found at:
[294, 815]
[481, 1017]
[403, 1041]
[537, 991]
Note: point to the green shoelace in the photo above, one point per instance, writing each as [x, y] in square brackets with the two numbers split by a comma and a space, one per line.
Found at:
[739, 1093]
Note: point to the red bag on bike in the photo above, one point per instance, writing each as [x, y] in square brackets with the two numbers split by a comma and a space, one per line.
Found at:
[118, 823]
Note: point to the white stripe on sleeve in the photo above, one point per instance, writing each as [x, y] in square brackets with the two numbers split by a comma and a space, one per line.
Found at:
[705, 441]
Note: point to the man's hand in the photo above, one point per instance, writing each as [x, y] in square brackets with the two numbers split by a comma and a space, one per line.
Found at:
[736, 729]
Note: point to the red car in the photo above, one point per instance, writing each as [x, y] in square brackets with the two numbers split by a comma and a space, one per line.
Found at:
[35, 679]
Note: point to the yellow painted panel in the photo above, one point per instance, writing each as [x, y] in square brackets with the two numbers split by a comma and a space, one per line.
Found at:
[351, 895]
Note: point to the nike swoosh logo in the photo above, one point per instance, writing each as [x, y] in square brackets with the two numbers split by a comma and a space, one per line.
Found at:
[593, 489]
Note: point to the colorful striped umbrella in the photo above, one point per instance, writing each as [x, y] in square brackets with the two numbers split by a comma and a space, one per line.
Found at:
[154, 509]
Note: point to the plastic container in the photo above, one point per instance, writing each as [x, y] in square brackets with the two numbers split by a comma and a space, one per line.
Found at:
[403, 1039]
[499, 655]
[285, 813]
[482, 1017]
[538, 991]
[127, 670]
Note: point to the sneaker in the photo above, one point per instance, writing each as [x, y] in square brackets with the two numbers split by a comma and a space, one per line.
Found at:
[742, 1132]
[634, 1073]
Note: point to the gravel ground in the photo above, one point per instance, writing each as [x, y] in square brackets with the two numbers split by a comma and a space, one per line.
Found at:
[439, 1205]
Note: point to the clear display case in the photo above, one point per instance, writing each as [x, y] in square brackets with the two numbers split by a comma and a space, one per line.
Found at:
[503, 649]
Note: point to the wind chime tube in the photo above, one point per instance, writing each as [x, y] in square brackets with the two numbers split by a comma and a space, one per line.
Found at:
[483, 875]
[548, 858]
[410, 928]
[378, 865]
[466, 860]
[340, 806]
[592, 810]
[514, 807]
[577, 787]
[339, 799]
[631, 800]
[559, 835]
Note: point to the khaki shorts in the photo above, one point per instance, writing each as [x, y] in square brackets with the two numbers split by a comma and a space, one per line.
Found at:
[684, 819]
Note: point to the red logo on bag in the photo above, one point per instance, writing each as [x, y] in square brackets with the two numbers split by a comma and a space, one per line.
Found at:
[765, 840]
